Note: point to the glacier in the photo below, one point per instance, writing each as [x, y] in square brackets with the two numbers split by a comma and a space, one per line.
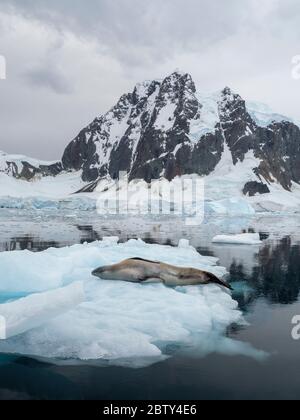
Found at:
[263, 114]
[222, 192]
[120, 323]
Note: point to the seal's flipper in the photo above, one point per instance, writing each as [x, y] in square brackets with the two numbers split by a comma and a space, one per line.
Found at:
[216, 280]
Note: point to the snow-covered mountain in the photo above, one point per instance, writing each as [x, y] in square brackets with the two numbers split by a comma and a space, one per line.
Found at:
[167, 128]
[27, 168]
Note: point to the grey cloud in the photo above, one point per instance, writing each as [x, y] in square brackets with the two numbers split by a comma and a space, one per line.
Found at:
[50, 78]
[103, 47]
[166, 26]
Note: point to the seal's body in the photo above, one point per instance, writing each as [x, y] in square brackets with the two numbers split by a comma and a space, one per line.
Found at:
[137, 270]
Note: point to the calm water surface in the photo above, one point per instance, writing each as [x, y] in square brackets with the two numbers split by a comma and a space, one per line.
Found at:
[266, 280]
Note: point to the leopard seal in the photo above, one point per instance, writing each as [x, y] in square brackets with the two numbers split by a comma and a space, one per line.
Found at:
[137, 270]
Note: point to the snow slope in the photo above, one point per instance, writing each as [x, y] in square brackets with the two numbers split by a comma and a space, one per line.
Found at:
[122, 323]
[47, 192]
[228, 180]
[48, 187]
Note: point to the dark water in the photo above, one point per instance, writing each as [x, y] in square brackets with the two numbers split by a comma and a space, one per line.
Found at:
[266, 282]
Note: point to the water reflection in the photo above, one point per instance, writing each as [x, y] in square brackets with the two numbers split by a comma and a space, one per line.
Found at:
[28, 242]
[277, 275]
[88, 233]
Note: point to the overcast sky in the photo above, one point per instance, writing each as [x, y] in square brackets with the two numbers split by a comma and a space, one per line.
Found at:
[70, 60]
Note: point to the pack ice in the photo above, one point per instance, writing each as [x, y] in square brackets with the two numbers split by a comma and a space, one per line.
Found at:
[118, 323]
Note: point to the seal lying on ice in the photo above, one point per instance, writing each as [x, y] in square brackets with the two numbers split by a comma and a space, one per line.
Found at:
[137, 270]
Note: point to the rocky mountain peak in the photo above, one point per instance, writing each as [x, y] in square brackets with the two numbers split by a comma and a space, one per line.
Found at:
[166, 128]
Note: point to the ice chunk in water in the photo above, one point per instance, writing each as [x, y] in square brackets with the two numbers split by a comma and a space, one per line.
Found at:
[184, 243]
[241, 239]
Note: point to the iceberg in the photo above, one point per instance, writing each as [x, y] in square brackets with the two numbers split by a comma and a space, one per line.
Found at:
[241, 239]
[32, 311]
[120, 323]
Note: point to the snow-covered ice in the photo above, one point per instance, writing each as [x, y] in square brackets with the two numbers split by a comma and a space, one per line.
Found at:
[119, 322]
[209, 117]
[263, 115]
[241, 239]
[32, 311]
[47, 187]
[235, 206]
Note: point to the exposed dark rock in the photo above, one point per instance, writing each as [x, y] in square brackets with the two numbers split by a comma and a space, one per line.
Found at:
[28, 171]
[237, 125]
[252, 188]
[280, 153]
[88, 188]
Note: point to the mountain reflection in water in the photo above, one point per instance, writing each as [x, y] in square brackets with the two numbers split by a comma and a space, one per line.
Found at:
[275, 276]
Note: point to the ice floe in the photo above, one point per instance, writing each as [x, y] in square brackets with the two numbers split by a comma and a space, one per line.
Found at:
[121, 323]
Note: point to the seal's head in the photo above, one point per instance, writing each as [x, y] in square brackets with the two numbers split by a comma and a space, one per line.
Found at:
[124, 271]
[103, 272]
